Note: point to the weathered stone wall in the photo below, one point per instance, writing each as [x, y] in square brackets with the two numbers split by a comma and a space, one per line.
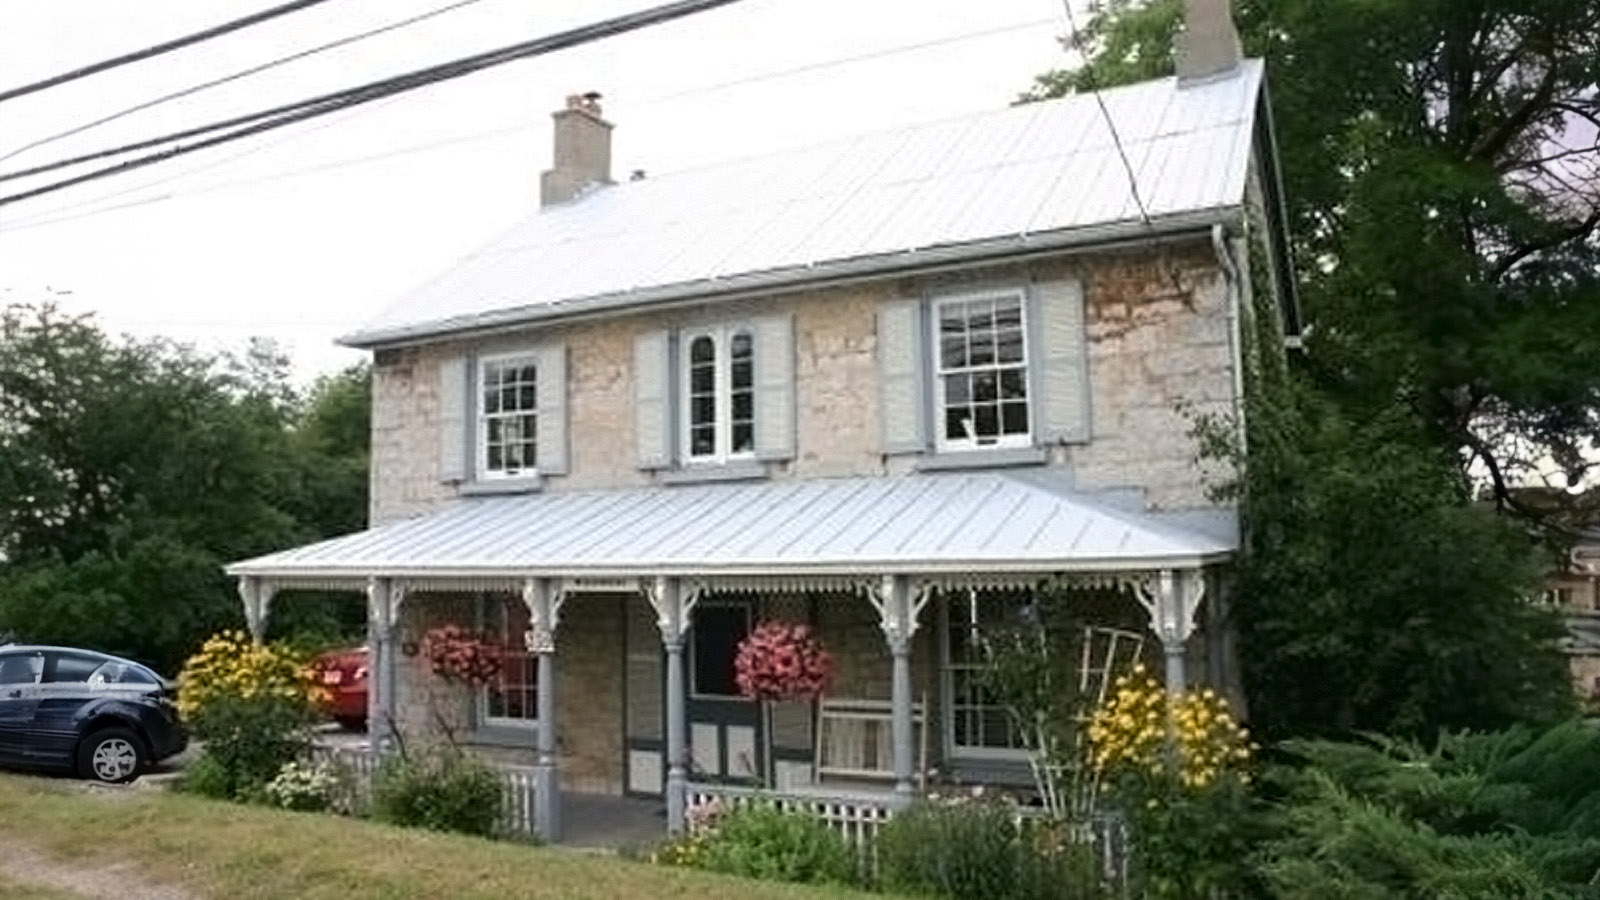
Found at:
[1160, 354]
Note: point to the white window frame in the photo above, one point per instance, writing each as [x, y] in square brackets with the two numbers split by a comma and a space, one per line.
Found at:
[721, 337]
[480, 426]
[947, 689]
[482, 694]
[936, 369]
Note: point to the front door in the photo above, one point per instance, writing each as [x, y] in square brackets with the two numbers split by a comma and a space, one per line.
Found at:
[725, 739]
[19, 696]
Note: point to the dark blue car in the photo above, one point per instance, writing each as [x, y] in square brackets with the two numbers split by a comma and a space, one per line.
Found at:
[99, 716]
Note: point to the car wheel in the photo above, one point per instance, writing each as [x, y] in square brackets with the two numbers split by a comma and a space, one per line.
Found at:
[111, 755]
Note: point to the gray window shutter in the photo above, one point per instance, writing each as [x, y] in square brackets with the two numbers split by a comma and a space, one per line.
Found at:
[652, 398]
[454, 420]
[774, 384]
[1059, 356]
[902, 378]
[551, 360]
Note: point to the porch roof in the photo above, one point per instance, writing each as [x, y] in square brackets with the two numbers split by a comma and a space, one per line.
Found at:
[1023, 521]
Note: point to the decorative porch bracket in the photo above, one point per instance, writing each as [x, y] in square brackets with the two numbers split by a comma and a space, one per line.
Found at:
[384, 597]
[1172, 598]
[899, 607]
[544, 601]
[673, 605]
[257, 597]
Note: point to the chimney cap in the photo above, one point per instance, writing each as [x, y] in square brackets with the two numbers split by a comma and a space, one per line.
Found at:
[588, 101]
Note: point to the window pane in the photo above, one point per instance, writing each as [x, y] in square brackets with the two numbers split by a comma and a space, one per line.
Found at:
[956, 419]
[982, 348]
[703, 410]
[744, 403]
[957, 389]
[496, 460]
[1008, 313]
[491, 400]
[510, 695]
[743, 375]
[1014, 418]
[744, 437]
[529, 375]
[1010, 346]
[1013, 384]
[527, 397]
[508, 397]
[702, 350]
[953, 350]
[985, 386]
[986, 420]
[73, 668]
[703, 441]
[980, 315]
[702, 379]
[740, 346]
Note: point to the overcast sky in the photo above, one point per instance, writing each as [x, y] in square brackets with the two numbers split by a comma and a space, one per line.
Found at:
[300, 234]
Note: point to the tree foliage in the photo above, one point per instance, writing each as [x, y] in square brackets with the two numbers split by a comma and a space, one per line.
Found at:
[1442, 180]
[131, 471]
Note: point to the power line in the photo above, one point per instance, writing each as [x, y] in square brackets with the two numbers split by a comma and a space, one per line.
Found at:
[159, 49]
[53, 216]
[243, 73]
[279, 116]
[1116, 139]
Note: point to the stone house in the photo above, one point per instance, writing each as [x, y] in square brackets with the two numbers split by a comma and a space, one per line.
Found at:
[887, 386]
[1574, 591]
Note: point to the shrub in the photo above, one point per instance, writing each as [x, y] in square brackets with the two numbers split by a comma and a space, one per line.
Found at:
[308, 787]
[441, 790]
[982, 848]
[252, 706]
[761, 841]
[206, 776]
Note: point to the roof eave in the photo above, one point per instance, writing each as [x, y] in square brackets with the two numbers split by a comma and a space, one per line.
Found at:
[1093, 237]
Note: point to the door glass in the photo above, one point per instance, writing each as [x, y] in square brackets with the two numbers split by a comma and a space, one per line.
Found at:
[718, 629]
[20, 668]
[70, 668]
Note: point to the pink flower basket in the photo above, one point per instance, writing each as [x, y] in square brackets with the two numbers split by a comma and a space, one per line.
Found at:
[781, 661]
[458, 655]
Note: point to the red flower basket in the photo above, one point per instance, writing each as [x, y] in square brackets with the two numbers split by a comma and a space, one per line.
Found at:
[782, 661]
[458, 655]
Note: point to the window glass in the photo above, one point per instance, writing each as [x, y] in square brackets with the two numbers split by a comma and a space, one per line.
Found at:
[982, 372]
[73, 668]
[719, 395]
[513, 694]
[20, 668]
[508, 414]
[718, 629]
[978, 722]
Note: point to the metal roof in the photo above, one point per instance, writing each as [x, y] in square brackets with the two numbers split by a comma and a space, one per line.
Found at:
[1023, 178]
[931, 523]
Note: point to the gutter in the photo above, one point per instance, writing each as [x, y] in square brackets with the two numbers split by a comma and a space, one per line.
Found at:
[1015, 248]
[1234, 281]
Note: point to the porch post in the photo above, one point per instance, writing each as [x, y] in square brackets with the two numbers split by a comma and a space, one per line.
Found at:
[257, 598]
[1172, 610]
[672, 617]
[544, 615]
[898, 610]
[383, 602]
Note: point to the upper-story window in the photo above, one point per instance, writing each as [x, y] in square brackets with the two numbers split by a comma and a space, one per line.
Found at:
[981, 372]
[719, 394]
[508, 417]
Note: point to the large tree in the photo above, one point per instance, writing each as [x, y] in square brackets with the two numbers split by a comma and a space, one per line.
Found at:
[1443, 186]
[130, 471]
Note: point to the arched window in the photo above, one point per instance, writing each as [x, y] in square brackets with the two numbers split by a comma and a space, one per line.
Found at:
[719, 400]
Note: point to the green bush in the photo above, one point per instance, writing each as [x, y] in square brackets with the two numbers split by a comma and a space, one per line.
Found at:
[441, 790]
[764, 842]
[206, 776]
[248, 740]
[962, 850]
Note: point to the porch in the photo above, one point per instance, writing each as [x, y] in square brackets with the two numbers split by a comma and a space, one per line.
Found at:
[602, 583]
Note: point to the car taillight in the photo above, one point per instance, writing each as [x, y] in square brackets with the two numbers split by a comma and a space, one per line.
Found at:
[361, 673]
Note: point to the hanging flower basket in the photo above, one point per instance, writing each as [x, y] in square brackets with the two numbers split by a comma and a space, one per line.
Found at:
[458, 655]
[781, 661]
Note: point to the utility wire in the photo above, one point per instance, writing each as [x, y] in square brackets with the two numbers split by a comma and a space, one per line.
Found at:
[289, 113]
[243, 73]
[54, 216]
[1116, 139]
[159, 49]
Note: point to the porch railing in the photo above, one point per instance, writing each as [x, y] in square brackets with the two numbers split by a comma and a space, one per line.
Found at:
[518, 785]
[859, 816]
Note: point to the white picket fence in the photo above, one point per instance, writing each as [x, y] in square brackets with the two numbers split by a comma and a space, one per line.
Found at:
[519, 786]
[855, 816]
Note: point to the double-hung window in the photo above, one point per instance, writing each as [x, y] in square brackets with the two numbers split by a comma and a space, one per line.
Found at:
[719, 394]
[508, 416]
[976, 722]
[511, 697]
[981, 370]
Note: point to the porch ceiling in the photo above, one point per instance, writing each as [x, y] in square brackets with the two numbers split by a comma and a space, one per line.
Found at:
[1026, 521]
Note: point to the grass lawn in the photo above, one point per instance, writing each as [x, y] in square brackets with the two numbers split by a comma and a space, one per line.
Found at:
[216, 849]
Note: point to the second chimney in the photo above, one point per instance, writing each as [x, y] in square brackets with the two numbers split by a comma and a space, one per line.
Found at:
[1209, 43]
[582, 151]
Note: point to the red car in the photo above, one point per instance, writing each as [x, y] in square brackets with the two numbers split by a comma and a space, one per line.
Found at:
[343, 676]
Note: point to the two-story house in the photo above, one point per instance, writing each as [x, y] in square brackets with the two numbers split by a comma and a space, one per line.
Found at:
[886, 385]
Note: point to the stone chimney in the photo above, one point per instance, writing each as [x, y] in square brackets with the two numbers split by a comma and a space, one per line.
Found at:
[1209, 44]
[582, 150]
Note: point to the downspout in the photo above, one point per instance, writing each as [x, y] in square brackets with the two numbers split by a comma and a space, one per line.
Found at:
[1233, 280]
